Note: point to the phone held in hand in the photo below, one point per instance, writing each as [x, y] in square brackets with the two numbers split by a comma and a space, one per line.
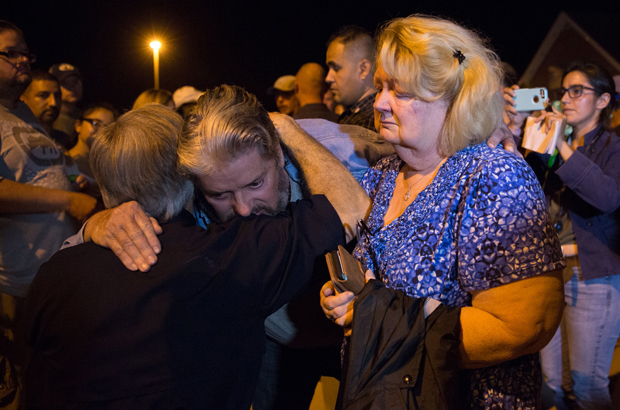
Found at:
[345, 271]
[531, 99]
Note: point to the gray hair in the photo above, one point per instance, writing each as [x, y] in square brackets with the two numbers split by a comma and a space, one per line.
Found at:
[135, 159]
[226, 123]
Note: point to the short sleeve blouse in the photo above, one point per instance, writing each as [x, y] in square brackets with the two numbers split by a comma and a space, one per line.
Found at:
[482, 222]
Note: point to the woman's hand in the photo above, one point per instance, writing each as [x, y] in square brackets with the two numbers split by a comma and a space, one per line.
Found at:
[513, 118]
[338, 307]
[549, 118]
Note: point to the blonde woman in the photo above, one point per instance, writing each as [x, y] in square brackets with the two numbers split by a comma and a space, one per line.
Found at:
[454, 220]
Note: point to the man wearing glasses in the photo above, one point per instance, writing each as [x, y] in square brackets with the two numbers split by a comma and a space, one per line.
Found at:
[94, 118]
[37, 206]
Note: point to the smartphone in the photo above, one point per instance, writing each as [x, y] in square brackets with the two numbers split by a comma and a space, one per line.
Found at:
[531, 99]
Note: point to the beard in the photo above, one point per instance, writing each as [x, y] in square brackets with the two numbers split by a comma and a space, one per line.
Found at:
[284, 197]
[14, 87]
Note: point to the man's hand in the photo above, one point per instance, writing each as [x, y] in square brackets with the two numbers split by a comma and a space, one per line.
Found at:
[129, 232]
[81, 206]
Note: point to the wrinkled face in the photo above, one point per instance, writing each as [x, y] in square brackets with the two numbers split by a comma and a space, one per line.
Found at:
[14, 74]
[248, 185]
[344, 76]
[287, 102]
[582, 111]
[72, 89]
[43, 98]
[405, 120]
[91, 123]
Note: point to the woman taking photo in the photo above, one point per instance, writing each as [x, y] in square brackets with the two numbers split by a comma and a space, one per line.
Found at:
[453, 219]
[583, 189]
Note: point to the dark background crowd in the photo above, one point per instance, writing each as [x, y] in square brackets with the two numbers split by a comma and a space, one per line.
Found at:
[207, 43]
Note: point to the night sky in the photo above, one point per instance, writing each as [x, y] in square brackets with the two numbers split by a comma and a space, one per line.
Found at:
[241, 42]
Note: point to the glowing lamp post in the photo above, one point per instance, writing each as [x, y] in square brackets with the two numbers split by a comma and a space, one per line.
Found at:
[155, 45]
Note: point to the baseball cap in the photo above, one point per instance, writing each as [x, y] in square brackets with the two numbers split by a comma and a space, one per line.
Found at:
[285, 83]
[186, 94]
[64, 70]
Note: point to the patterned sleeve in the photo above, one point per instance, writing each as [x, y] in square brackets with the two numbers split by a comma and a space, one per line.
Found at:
[505, 234]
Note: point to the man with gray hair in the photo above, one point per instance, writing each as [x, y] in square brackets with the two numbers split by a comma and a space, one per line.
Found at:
[190, 334]
[232, 152]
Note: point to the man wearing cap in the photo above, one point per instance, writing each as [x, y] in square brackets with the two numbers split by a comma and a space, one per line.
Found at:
[310, 87]
[350, 58]
[284, 92]
[71, 87]
[185, 99]
[44, 99]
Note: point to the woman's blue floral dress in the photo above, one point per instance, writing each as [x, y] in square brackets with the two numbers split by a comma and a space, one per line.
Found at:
[481, 223]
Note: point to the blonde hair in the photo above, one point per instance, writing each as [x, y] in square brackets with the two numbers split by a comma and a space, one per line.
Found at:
[421, 53]
[153, 96]
[226, 122]
[135, 158]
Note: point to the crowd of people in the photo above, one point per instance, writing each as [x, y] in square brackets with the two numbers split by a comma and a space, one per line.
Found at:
[172, 256]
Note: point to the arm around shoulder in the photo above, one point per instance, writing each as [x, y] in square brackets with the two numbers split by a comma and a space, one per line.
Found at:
[324, 173]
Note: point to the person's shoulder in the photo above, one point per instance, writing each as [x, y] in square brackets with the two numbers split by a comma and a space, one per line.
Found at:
[499, 165]
[69, 264]
[482, 154]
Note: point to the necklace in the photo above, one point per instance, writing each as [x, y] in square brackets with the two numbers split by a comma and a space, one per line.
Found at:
[423, 178]
[408, 193]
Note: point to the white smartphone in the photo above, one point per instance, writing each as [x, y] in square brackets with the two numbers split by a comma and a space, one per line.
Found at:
[531, 99]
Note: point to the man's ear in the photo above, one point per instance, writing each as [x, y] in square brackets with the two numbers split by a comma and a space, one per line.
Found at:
[603, 101]
[364, 68]
[296, 89]
[78, 126]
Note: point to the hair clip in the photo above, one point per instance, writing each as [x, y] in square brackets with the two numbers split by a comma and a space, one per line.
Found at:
[457, 54]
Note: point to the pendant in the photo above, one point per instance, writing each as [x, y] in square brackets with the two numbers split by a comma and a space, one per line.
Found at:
[407, 194]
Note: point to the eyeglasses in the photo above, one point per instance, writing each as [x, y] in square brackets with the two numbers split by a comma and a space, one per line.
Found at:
[16, 55]
[574, 91]
[95, 123]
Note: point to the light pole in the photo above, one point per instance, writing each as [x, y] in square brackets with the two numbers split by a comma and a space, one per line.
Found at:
[155, 45]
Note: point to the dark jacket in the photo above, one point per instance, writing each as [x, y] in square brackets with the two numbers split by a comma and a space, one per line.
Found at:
[189, 333]
[592, 197]
[397, 359]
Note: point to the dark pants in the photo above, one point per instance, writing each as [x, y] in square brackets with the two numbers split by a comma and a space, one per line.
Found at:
[288, 377]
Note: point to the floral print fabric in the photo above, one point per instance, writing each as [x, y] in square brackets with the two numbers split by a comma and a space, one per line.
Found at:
[481, 223]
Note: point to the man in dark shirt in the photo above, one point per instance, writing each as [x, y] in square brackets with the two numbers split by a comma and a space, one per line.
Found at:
[310, 86]
[190, 334]
[350, 58]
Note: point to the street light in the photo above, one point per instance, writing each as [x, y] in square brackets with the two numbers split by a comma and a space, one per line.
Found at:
[155, 45]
